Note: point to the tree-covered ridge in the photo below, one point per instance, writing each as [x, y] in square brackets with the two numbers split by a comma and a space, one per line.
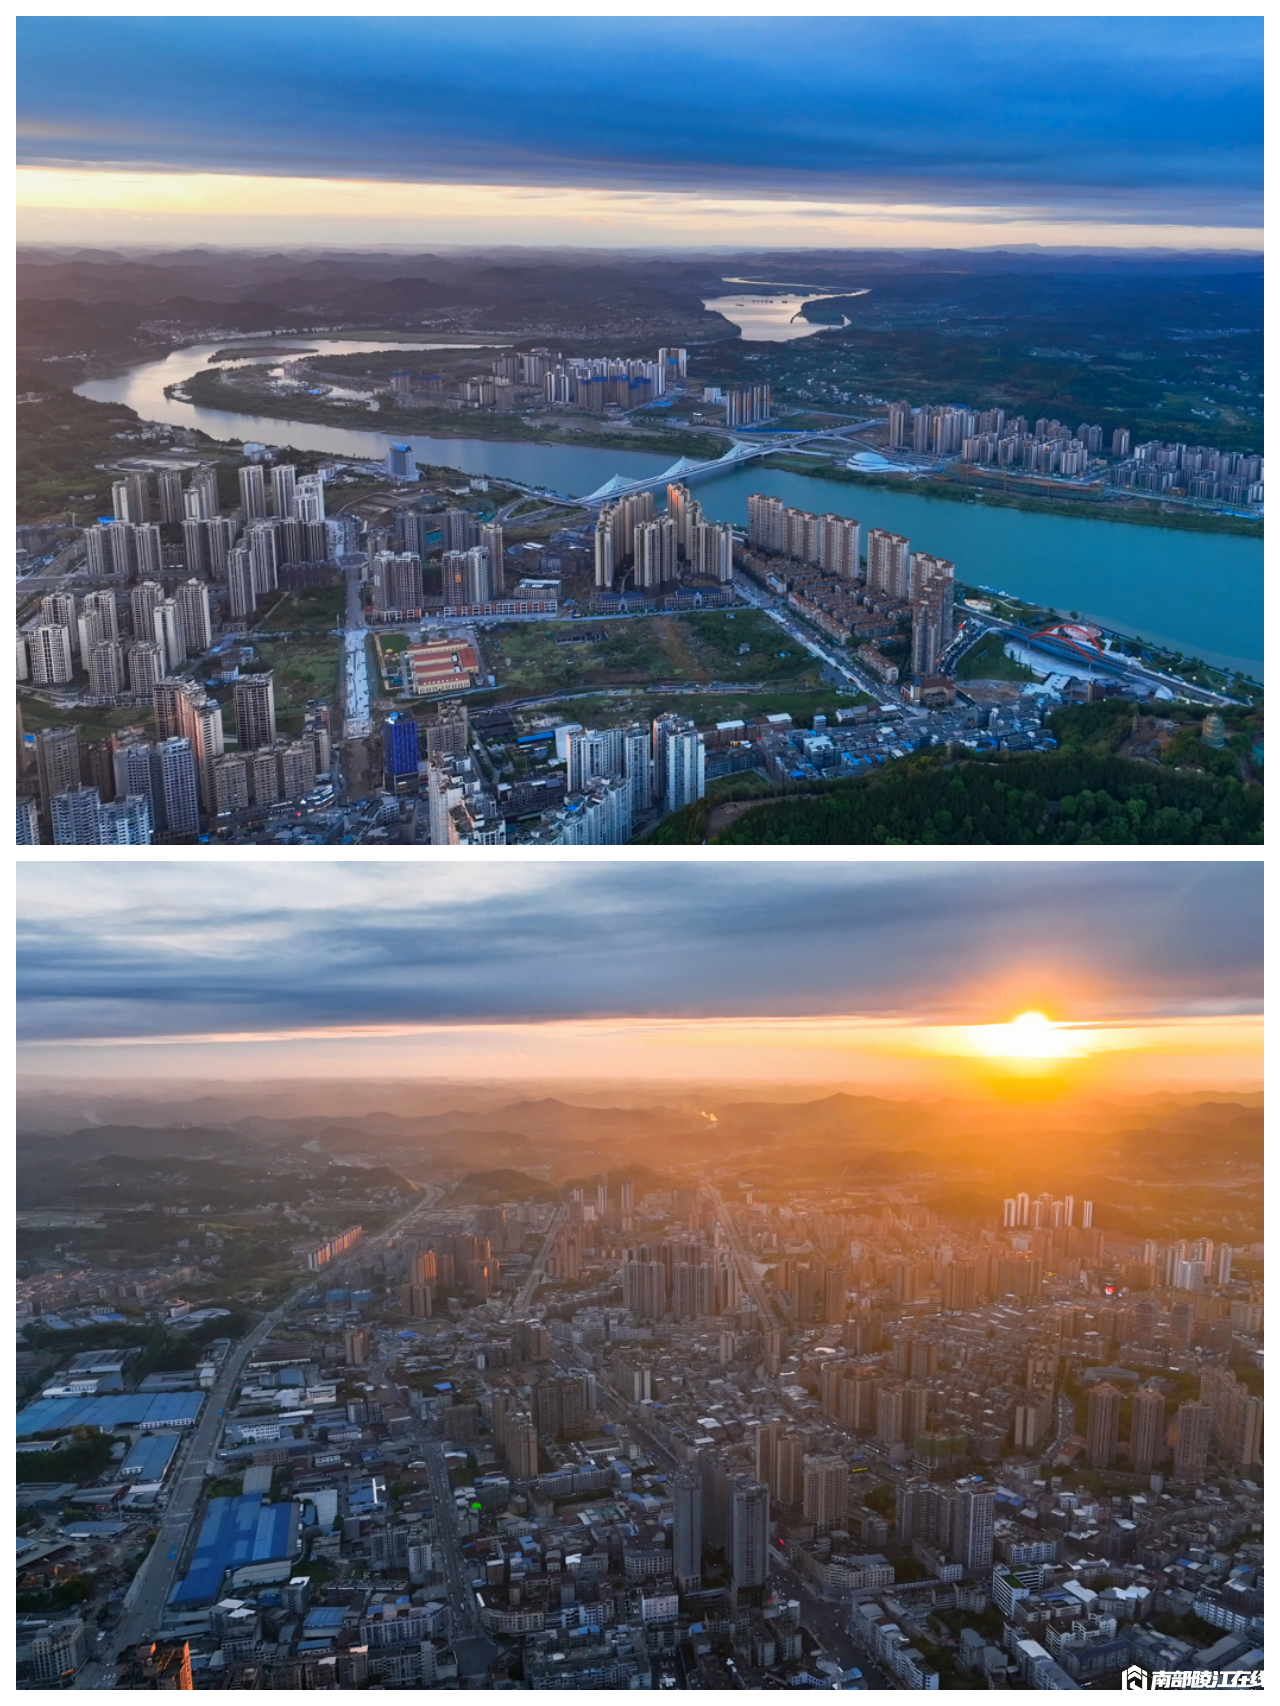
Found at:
[1054, 799]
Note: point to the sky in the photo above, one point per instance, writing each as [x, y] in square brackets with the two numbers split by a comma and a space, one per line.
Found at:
[752, 130]
[899, 975]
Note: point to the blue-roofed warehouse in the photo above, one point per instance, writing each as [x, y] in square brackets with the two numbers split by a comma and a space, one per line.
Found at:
[123, 1410]
[256, 1541]
[150, 1457]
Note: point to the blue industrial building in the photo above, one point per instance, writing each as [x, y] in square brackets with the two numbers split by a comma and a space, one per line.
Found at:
[150, 1458]
[126, 1410]
[245, 1535]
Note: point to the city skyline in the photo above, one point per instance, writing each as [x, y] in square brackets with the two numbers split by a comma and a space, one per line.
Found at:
[1120, 138]
[910, 976]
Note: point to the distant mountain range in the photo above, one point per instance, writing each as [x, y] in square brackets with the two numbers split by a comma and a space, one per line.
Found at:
[838, 1140]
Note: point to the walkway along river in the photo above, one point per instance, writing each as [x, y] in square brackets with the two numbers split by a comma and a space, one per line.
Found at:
[1198, 593]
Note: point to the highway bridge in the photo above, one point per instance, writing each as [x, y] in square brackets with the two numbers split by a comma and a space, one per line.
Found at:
[740, 452]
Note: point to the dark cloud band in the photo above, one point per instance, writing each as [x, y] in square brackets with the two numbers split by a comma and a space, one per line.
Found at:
[1152, 119]
[164, 949]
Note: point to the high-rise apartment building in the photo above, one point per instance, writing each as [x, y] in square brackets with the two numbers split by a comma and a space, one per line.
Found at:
[230, 784]
[684, 765]
[255, 700]
[686, 1532]
[748, 1549]
[308, 499]
[57, 762]
[1146, 1430]
[970, 1522]
[74, 817]
[888, 563]
[146, 666]
[1191, 1451]
[105, 663]
[169, 489]
[253, 492]
[1102, 1433]
[284, 482]
[826, 1492]
[193, 604]
[49, 648]
[166, 618]
[181, 790]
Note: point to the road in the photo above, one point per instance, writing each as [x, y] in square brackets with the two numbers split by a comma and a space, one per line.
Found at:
[466, 1620]
[464, 1613]
[1066, 1426]
[149, 1591]
[746, 1270]
[355, 670]
[1111, 664]
[861, 679]
[829, 1622]
[524, 1297]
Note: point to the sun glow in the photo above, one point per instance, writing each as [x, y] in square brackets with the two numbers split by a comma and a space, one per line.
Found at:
[1031, 1036]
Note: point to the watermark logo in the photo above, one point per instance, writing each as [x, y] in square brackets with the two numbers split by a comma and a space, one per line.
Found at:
[1136, 1677]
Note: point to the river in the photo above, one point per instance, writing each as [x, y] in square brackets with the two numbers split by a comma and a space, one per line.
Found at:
[1198, 593]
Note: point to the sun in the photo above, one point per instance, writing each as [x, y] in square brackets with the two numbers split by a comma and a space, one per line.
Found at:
[1031, 1036]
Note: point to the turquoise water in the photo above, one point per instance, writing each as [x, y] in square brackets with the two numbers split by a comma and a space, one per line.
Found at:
[1198, 593]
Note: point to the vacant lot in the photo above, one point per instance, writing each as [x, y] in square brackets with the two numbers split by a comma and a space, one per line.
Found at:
[642, 651]
[312, 610]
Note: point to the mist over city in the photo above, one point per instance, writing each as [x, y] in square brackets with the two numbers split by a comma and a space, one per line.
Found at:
[807, 1275]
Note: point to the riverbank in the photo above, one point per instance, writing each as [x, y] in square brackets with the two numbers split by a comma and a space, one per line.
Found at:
[1191, 592]
[207, 390]
[1134, 513]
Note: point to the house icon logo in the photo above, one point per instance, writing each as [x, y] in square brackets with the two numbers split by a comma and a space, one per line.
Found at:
[1135, 1677]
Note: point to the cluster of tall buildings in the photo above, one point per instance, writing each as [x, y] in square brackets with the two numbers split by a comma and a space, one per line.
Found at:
[429, 757]
[276, 526]
[958, 1522]
[990, 438]
[656, 549]
[324, 1253]
[746, 405]
[471, 566]
[616, 774]
[280, 527]
[585, 382]
[922, 583]
[166, 630]
[832, 542]
[1225, 1415]
[596, 383]
[1196, 469]
[1045, 1210]
[684, 1278]
[127, 789]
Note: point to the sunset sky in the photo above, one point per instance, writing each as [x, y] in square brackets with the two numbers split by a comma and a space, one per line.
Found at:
[904, 976]
[759, 131]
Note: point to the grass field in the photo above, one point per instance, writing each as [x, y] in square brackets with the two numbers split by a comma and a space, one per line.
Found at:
[304, 669]
[95, 722]
[698, 648]
[311, 610]
[987, 662]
